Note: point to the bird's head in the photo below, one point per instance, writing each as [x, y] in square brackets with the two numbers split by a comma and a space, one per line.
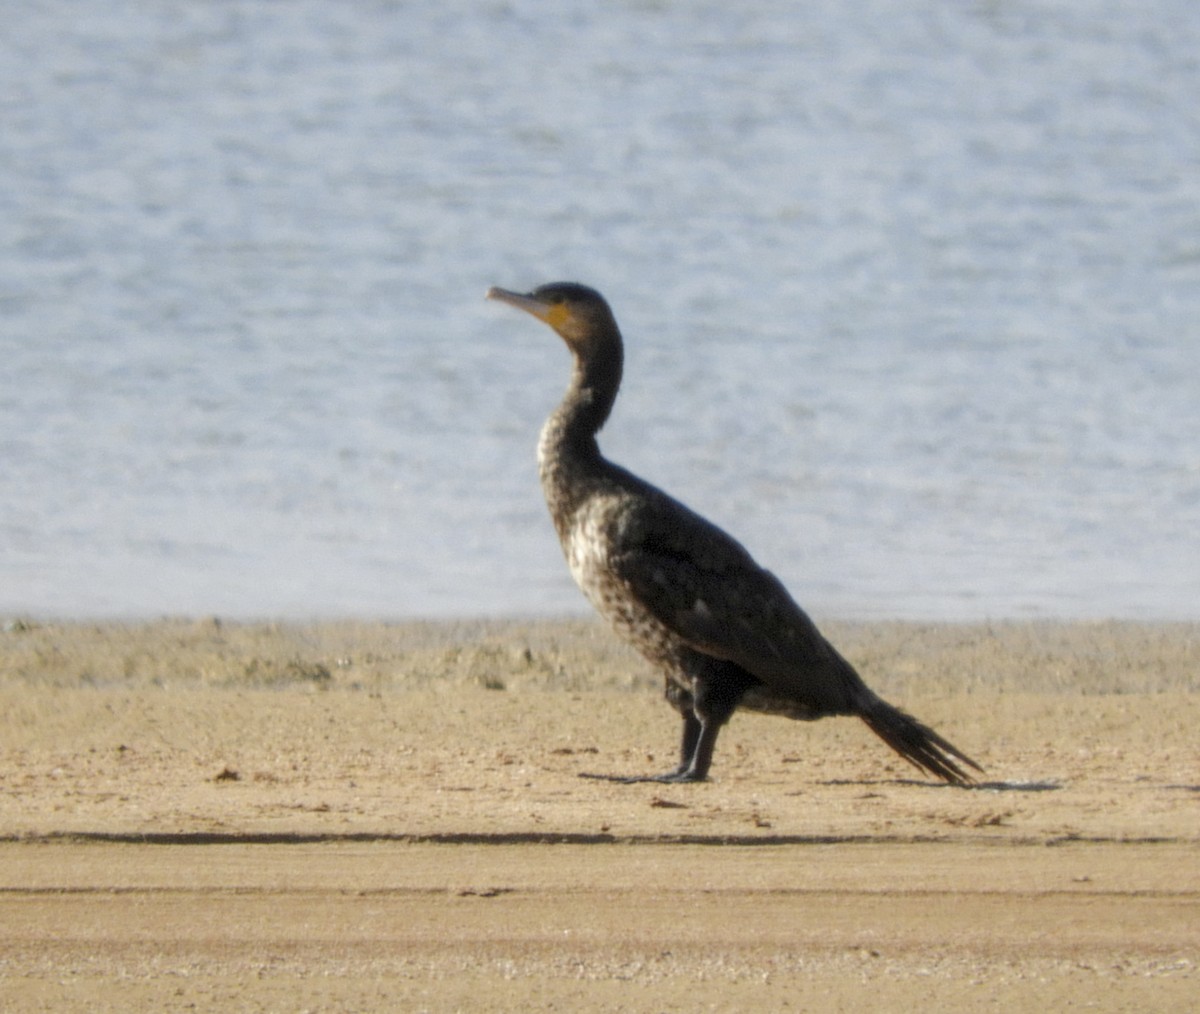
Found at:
[579, 314]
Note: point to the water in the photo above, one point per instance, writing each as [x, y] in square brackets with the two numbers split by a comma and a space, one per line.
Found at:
[910, 291]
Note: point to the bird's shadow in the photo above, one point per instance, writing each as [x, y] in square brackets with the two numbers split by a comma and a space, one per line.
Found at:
[990, 786]
[666, 779]
[1043, 786]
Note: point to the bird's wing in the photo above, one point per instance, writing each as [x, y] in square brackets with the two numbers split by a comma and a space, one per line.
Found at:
[705, 587]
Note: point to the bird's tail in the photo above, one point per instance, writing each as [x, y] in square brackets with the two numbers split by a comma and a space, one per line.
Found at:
[916, 743]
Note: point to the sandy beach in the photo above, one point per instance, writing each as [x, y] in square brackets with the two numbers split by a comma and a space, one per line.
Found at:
[368, 816]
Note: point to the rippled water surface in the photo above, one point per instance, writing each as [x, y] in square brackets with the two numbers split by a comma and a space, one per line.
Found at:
[911, 294]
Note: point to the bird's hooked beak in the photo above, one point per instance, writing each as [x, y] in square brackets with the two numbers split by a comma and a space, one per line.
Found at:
[554, 314]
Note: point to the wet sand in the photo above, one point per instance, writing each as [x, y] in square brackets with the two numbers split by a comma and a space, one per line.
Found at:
[337, 816]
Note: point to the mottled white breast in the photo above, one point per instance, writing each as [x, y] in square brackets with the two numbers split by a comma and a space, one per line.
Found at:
[593, 534]
[586, 548]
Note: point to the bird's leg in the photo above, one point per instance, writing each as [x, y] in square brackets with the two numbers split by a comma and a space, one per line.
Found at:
[705, 709]
[715, 698]
[699, 739]
[693, 733]
[687, 745]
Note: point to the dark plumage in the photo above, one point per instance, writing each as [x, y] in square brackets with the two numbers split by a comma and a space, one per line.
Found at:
[723, 630]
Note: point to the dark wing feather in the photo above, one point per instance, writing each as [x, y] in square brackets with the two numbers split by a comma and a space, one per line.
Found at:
[705, 587]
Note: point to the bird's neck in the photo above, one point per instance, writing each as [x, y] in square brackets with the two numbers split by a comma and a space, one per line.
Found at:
[568, 455]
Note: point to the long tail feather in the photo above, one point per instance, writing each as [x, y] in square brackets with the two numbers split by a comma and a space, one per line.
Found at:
[917, 743]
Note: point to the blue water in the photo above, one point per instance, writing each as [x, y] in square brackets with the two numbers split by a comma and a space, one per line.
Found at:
[911, 294]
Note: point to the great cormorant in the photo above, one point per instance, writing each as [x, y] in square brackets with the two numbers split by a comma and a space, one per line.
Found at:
[724, 632]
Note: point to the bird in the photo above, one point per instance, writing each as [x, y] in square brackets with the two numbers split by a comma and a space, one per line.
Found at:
[724, 632]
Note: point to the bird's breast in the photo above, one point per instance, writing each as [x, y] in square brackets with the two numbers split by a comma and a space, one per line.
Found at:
[589, 544]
